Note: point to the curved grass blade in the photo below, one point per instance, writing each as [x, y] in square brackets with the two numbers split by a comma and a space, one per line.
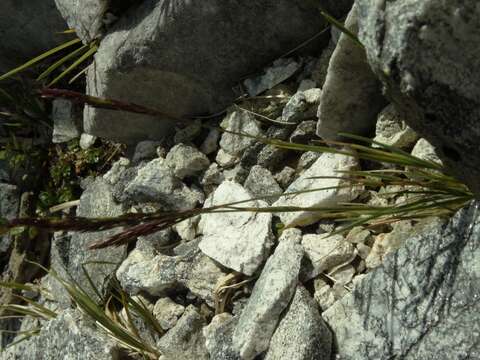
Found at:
[60, 62]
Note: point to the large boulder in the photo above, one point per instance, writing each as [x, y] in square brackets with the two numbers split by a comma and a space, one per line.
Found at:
[185, 57]
[28, 28]
[427, 55]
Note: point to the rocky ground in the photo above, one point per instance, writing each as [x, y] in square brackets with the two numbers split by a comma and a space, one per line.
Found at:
[231, 285]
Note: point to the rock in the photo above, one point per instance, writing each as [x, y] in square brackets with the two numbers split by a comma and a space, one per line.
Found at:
[302, 106]
[422, 294]
[239, 240]
[387, 243]
[302, 333]
[212, 176]
[190, 72]
[85, 16]
[238, 174]
[304, 132]
[392, 130]
[343, 275]
[145, 150]
[96, 201]
[363, 250]
[28, 29]
[65, 122]
[285, 177]
[425, 151]
[167, 312]
[306, 160]
[358, 235]
[185, 340]
[306, 84]
[155, 243]
[324, 296]
[9, 206]
[351, 97]
[418, 57]
[270, 296]
[188, 133]
[225, 160]
[155, 274]
[155, 182]
[87, 141]
[272, 157]
[326, 165]
[320, 71]
[68, 336]
[324, 252]
[218, 337]
[280, 71]
[187, 229]
[186, 161]
[239, 121]
[260, 182]
[116, 172]
[210, 144]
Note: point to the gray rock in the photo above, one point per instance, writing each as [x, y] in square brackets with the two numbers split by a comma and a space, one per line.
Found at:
[190, 72]
[167, 312]
[9, 206]
[392, 130]
[188, 133]
[225, 160]
[187, 229]
[301, 333]
[416, 48]
[424, 150]
[260, 182]
[304, 132]
[327, 165]
[69, 336]
[218, 337]
[306, 160]
[155, 182]
[185, 340]
[66, 124]
[239, 240]
[87, 141]
[212, 176]
[302, 106]
[210, 144]
[145, 150]
[351, 97]
[411, 306]
[155, 274]
[238, 174]
[116, 172]
[186, 160]
[306, 84]
[270, 296]
[239, 121]
[85, 16]
[280, 71]
[285, 177]
[28, 29]
[320, 71]
[156, 242]
[96, 201]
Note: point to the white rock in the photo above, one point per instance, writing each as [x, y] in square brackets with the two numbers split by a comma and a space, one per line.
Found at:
[324, 252]
[65, 122]
[87, 141]
[243, 122]
[167, 312]
[392, 130]
[116, 171]
[424, 150]
[225, 160]
[186, 160]
[325, 166]
[187, 229]
[343, 275]
[240, 241]
[145, 150]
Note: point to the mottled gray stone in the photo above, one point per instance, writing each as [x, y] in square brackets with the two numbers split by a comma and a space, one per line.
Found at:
[28, 29]
[301, 333]
[145, 150]
[153, 51]
[70, 336]
[425, 53]
[218, 337]
[302, 106]
[422, 303]
[351, 97]
[239, 121]
[270, 296]
[424, 150]
[304, 132]
[167, 312]
[260, 182]
[185, 340]
[66, 124]
[186, 160]
[285, 177]
[9, 206]
[392, 130]
[239, 240]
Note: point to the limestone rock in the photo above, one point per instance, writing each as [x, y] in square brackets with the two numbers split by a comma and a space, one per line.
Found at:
[240, 122]
[167, 312]
[65, 122]
[260, 182]
[218, 337]
[9, 206]
[392, 130]
[302, 106]
[186, 161]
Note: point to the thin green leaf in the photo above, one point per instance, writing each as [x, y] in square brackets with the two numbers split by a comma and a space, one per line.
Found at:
[83, 58]
[60, 62]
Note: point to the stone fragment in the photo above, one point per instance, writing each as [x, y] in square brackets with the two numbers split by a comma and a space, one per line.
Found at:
[351, 96]
[327, 165]
[301, 334]
[87, 141]
[392, 130]
[306, 160]
[65, 122]
[260, 182]
[187, 229]
[9, 206]
[225, 160]
[188, 133]
[302, 106]
[145, 150]
[270, 296]
[425, 151]
[186, 161]
[239, 121]
[210, 144]
[285, 177]
[304, 132]
[238, 174]
[421, 295]
[218, 337]
[239, 240]
[167, 312]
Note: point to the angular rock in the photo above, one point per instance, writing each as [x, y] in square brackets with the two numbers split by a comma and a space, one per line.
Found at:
[68, 336]
[185, 340]
[326, 165]
[302, 333]
[238, 174]
[186, 161]
[190, 72]
[304, 132]
[424, 150]
[167, 312]
[302, 106]
[28, 29]
[87, 141]
[218, 337]
[351, 96]
[66, 124]
[240, 122]
[270, 296]
[425, 292]
[155, 182]
[240, 240]
[145, 150]
[225, 160]
[285, 177]
[210, 144]
[324, 252]
[416, 48]
[260, 182]
[391, 129]
[9, 206]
